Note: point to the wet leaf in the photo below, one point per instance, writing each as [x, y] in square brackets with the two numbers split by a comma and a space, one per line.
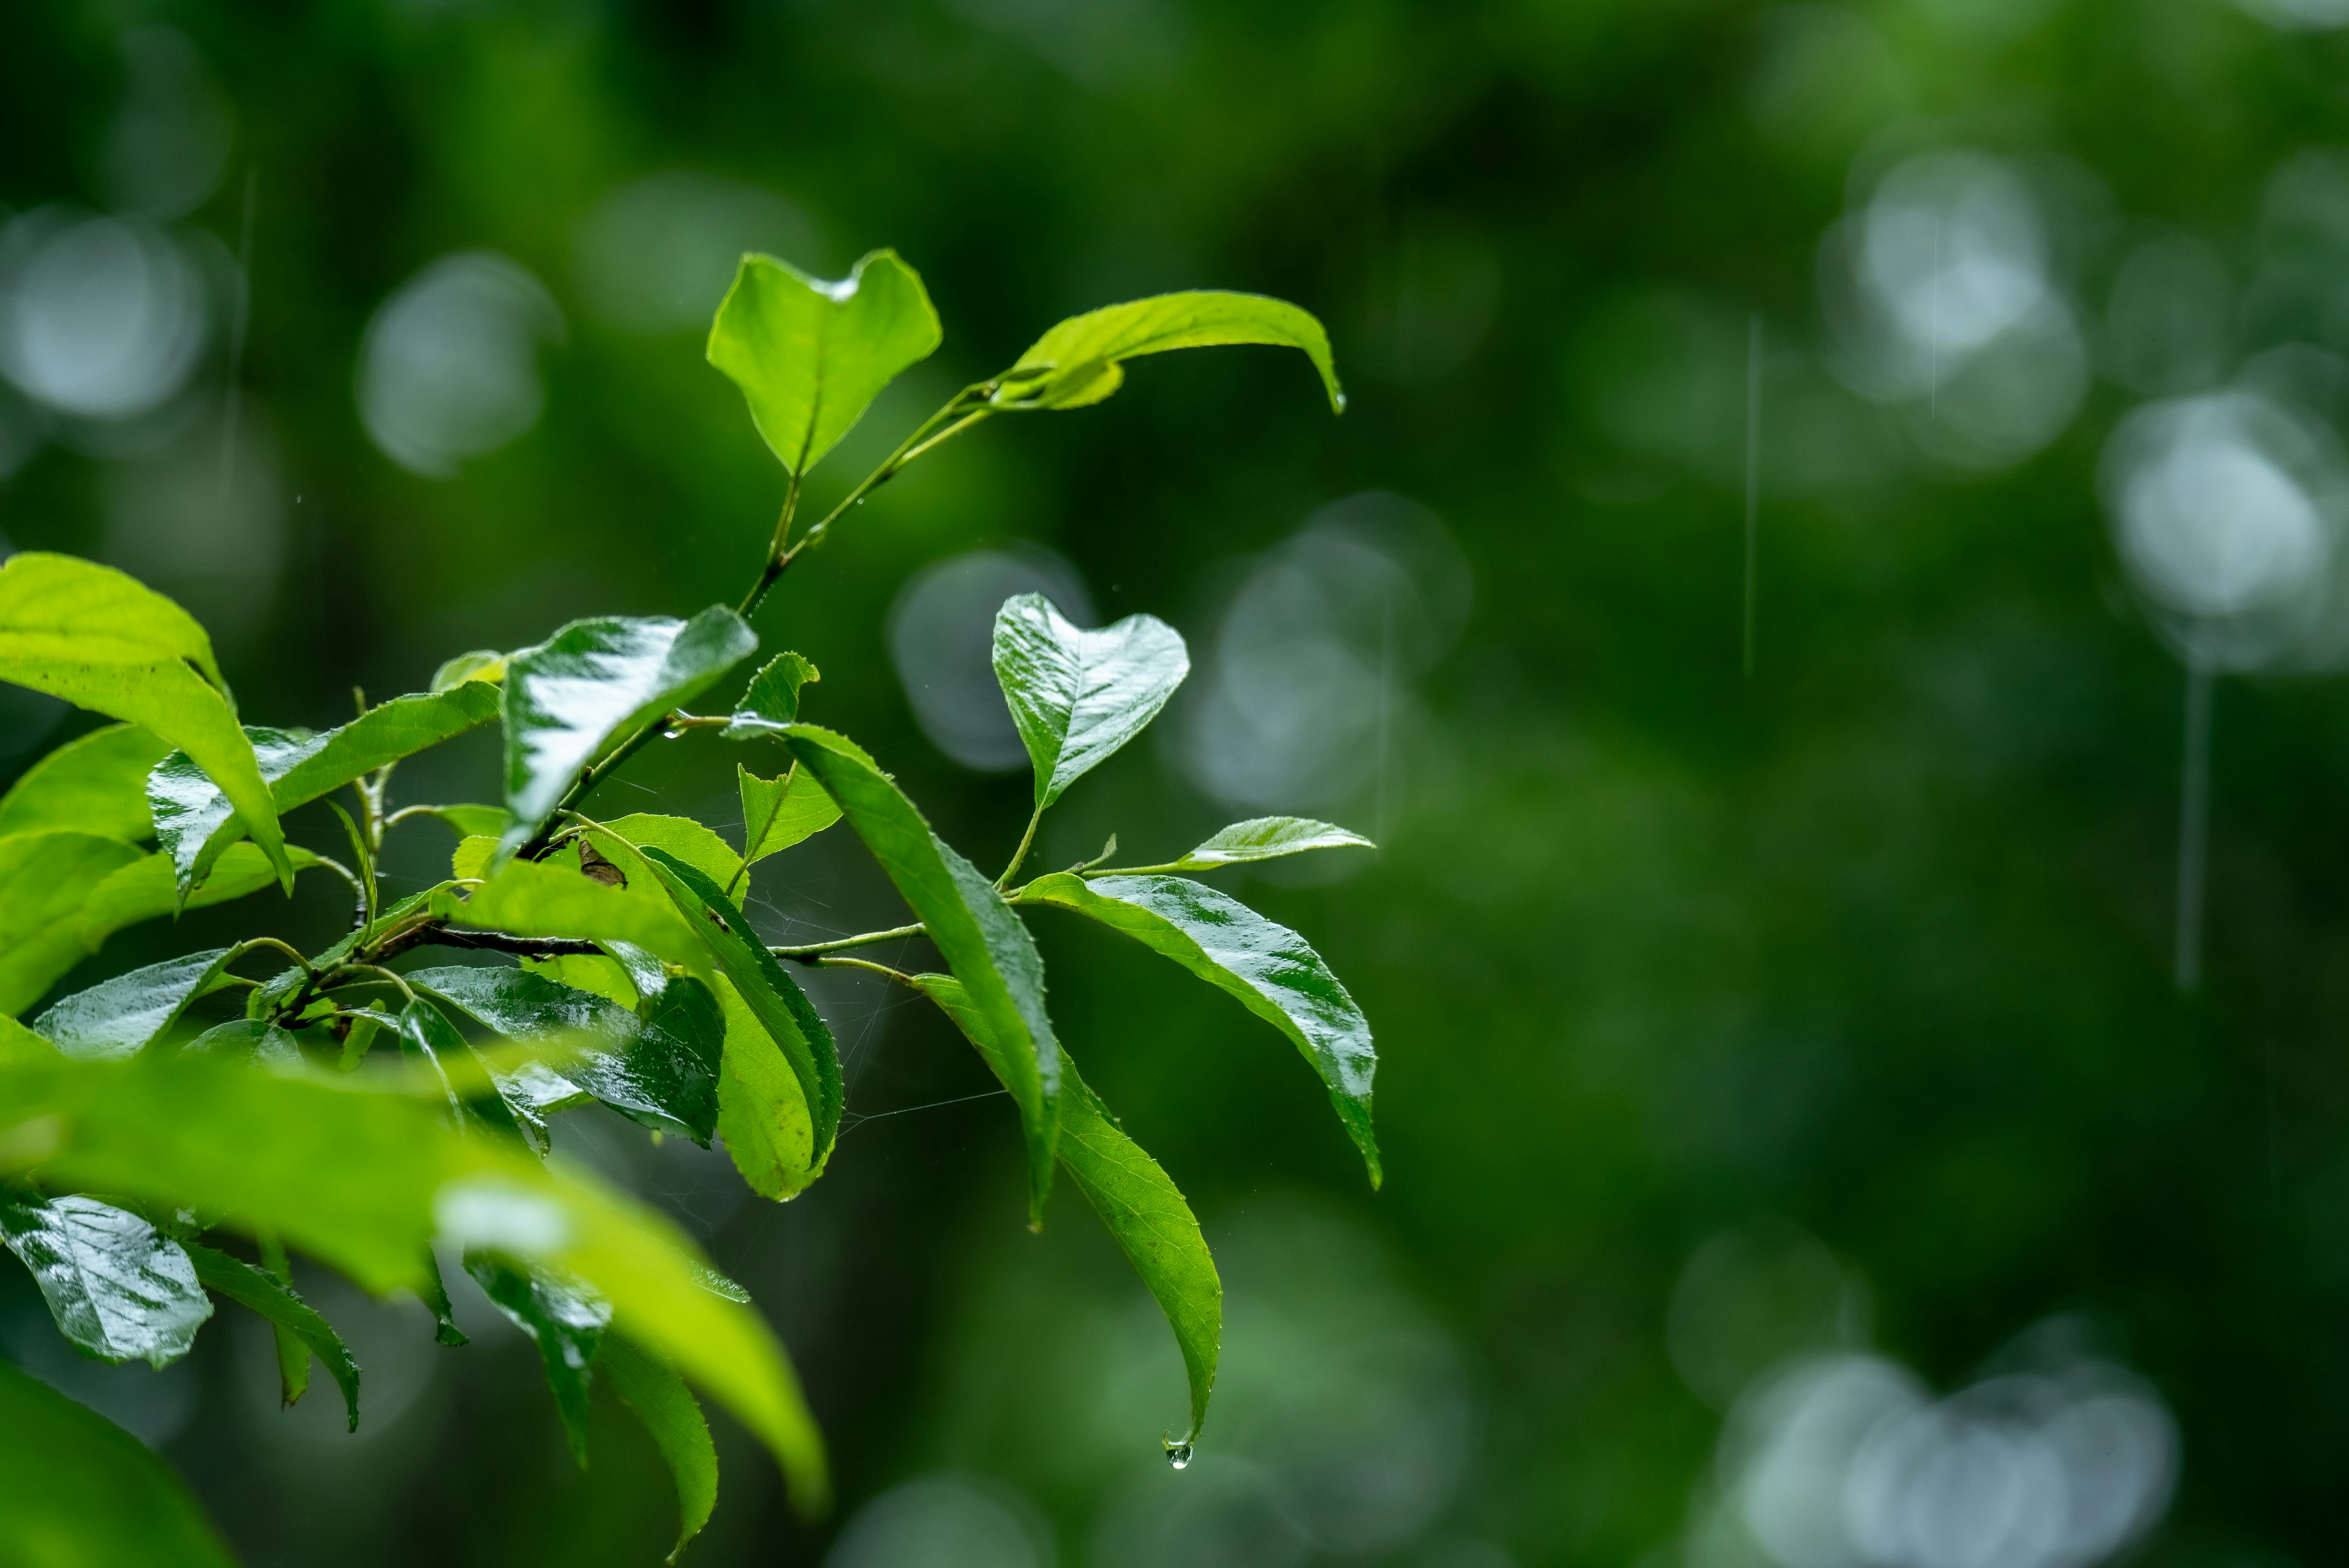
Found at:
[263, 1293]
[811, 356]
[565, 1317]
[1267, 838]
[118, 1288]
[651, 1388]
[772, 699]
[1076, 695]
[122, 1016]
[1080, 360]
[1273, 972]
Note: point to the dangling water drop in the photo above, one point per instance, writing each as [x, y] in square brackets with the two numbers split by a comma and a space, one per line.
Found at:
[1178, 1455]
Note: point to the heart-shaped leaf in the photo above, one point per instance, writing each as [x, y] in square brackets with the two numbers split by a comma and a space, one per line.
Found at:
[811, 356]
[118, 1288]
[1076, 695]
[983, 941]
[1273, 972]
[594, 680]
[1079, 361]
[104, 641]
[97, 784]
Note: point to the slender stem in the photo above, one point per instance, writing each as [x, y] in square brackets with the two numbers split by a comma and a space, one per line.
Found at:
[814, 951]
[428, 933]
[1020, 854]
[1171, 866]
[358, 889]
[900, 976]
[381, 973]
[288, 948]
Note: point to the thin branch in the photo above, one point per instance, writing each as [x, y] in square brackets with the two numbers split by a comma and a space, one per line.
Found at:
[813, 952]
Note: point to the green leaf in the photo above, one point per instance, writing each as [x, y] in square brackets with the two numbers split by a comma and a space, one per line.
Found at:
[123, 1016]
[531, 899]
[681, 836]
[593, 682]
[104, 641]
[982, 940]
[263, 1293]
[661, 1073]
[466, 821]
[564, 1318]
[652, 1389]
[362, 1180]
[762, 1111]
[773, 997]
[293, 1354]
[1267, 838]
[1273, 972]
[118, 1288]
[194, 820]
[780, 813]
[772, 700]
[78, 1492]
[94, 784]
[435, 1294]
[485, 665]
[811, 356]
[1134, 1198]
[427, 1034]
[249, 1040]
[1077, 362]
[1077, 695]
[47, 879]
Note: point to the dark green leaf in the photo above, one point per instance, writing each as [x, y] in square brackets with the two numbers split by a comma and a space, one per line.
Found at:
[1136, 1200]
[651, 1387]
[780, 813]
[95, 784]
[122, 1016]
[1077, 695]
[565, 1317]
[78, 1492]
[274, 1299]
[531, 899]
[774, 998]
[435, 1294]
[118, 1288]
[1273, 972]
[293, 1354]
[1266, 837]
[1077, 362]
[811, 356]
[362, 1180]
[427, 1035]
[593, 682]
[103, 642]
[773, 697]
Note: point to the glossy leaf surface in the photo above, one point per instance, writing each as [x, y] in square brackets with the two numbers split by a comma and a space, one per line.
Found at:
[78, 1492]
[763, 1110]
[1079, 361]
[563, 1318]
[96, 784]
[1135, 1198]
[983, 941]
[531, 899]
[1267, 838]
[363, 1181]
[194, 820]
[102, 640]
[1076, 695]
[1273, 972]
[772, 699]
[568, 699]
[811, 356]
[263, 1293]
[122, 1016]
[780, 813]
[660, 1399]
[118, 1288]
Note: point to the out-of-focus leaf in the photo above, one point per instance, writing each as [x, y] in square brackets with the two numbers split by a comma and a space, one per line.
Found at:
[652, 1389]
[1273, 972]
[572, 695]
[530, 899]
[486, 665]
[1078, 695]
[467, 821]
[118, 1288]
[811, 356]
[45, 881]
[780, 813]
[122, 1016]
[661, 1072]
[1135, 1198]
[1079, 361]
[263, 1293]
[564, 1318]
[249, 1040]
[97, 784]
[762, 1111]
[362, 1181]
[984, 942]
[1267, 838]
[772, 700]
[427, 1035]
[78, 1492]
[774, 998]
[104, 641]
[18, 1043]
[435, 1294]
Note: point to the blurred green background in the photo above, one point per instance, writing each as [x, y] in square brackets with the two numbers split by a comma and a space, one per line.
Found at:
[1801, 1148]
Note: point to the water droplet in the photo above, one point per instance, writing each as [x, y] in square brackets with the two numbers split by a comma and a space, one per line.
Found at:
[1178, 1455]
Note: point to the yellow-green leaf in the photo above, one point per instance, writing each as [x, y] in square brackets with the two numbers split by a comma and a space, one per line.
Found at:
[1079, 361]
